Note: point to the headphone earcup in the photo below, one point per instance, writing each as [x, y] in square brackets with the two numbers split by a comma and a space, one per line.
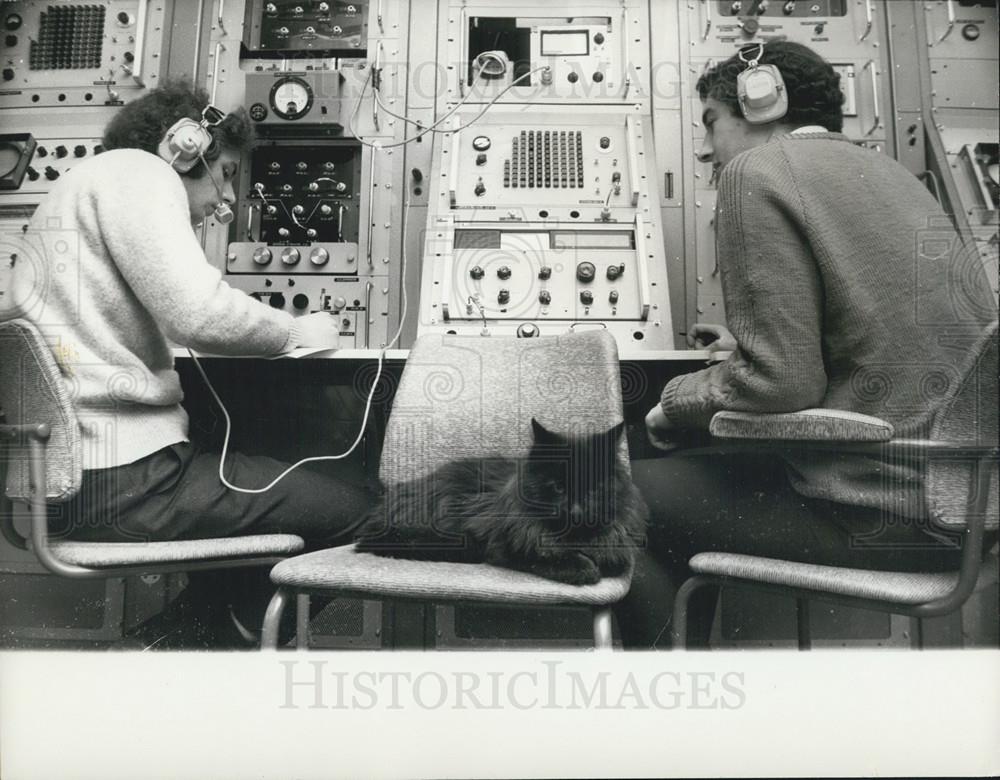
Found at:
[184, 144]
[761, 94]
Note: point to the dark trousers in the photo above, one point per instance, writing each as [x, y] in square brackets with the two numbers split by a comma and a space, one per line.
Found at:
[745, 504]
[175, 493]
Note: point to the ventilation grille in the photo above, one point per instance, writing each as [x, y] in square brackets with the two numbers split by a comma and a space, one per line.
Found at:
[545, 159]
[69, 38]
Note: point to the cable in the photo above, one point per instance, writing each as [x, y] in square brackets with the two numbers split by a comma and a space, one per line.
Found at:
[368, 402]
[490, 104]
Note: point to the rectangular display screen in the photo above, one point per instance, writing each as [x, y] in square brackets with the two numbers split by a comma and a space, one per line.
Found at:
[570, 43]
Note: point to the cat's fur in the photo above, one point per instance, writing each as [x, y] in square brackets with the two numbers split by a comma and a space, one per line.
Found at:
[568, 512]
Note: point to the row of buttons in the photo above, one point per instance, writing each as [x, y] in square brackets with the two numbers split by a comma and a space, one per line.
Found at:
[545, 297]
[291, 256]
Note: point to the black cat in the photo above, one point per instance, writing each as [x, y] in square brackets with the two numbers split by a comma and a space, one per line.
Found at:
[568, 512]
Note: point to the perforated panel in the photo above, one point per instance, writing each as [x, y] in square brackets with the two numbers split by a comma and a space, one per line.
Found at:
[545, 158]
[69, 38]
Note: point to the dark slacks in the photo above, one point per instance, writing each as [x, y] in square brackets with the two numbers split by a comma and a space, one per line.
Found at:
[745, 504]
[175, 493]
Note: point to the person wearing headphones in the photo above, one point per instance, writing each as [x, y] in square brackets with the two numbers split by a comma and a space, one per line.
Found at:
[830, 302]
[137, 277]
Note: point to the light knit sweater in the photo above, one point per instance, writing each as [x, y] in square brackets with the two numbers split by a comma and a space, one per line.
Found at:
[845, 288]
[110, 268]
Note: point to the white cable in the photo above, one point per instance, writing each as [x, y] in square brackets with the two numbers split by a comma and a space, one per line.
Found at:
[368, 402]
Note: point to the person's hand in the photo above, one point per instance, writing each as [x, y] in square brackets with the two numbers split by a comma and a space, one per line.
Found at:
[320, 329]
[714, 338]
[658, 429]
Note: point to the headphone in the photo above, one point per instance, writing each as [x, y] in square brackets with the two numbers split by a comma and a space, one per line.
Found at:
[760, 89]
[184, 145]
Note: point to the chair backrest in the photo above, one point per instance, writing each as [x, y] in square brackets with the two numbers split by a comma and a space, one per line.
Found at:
[462, 397]
[968, 415]
[32, 392]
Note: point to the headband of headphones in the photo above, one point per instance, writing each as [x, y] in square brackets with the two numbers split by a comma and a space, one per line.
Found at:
[187, 140]
[760, 89]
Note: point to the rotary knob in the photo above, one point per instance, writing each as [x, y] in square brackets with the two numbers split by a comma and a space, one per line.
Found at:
[277, 300]
[503, 272]
[300, 301]
[586, 272]
[586, 297]
[614, 271]
[503, 296]
[319, 256]
[613, 297]
[477, 273]
[527, 330]
[545, 272]
[545, 297]
[262, 255]
[290, 255]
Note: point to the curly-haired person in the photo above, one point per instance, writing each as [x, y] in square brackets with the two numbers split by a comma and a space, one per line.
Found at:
[141, 278]
[829, 302]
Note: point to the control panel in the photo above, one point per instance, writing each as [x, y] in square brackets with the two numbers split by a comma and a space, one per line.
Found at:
[78, 54]
[277, 27]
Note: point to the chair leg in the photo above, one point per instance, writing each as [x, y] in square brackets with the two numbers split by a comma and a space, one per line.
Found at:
[272, 619]
[602, 629]
[802, 623]
[678, 633]
[302, 621]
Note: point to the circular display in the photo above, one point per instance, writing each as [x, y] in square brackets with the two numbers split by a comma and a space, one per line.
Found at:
[481, 143]
[291, 98]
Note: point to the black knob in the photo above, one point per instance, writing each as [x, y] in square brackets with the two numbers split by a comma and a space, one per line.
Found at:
[598, 77]
[10, 40]
[789, 8]
[480, 188]
[613, 296]
[124, 18]
[417, 174]
[586, 272]
[98, 149]
[573, 77]
[128, 57]
[605, 142]
[301, 301]
[79, 150]
[614, 271]
[819, 29]
[8, 74]
[599, 38]
[503, 272]
[61, 151]
[503, 296]
[477, 273]
[527, 330]
[481, 160]
[545, 297]
[41, 151]
[544, 272]
[277, 300]
[51, 173]
[750, 27]
[586, 297]
[32, 174]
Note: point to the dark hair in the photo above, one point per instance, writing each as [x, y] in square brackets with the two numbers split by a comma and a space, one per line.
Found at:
[814, 96]
[142, 123]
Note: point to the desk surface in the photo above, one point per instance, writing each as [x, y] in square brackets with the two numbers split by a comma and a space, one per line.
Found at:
[402, 354]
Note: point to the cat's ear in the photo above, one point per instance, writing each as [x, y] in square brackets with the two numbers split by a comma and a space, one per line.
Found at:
[542, 434]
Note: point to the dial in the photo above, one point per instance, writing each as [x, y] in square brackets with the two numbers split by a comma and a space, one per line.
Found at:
[291, 97]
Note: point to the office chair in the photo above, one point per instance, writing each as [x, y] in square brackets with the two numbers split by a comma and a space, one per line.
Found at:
[41, 444]
[464, 397]
[961, 493]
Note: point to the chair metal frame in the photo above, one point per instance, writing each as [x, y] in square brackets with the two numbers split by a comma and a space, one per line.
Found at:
[972, 541]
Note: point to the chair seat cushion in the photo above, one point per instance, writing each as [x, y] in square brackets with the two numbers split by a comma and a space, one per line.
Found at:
[902, 587]
[109, 554]
[343, 569]
[805, 425]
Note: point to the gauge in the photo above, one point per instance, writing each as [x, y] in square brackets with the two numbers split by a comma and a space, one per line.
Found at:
[291, 97]
[481, 143]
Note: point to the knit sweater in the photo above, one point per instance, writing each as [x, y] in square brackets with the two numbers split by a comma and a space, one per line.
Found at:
[845, 288]
[108, 270]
